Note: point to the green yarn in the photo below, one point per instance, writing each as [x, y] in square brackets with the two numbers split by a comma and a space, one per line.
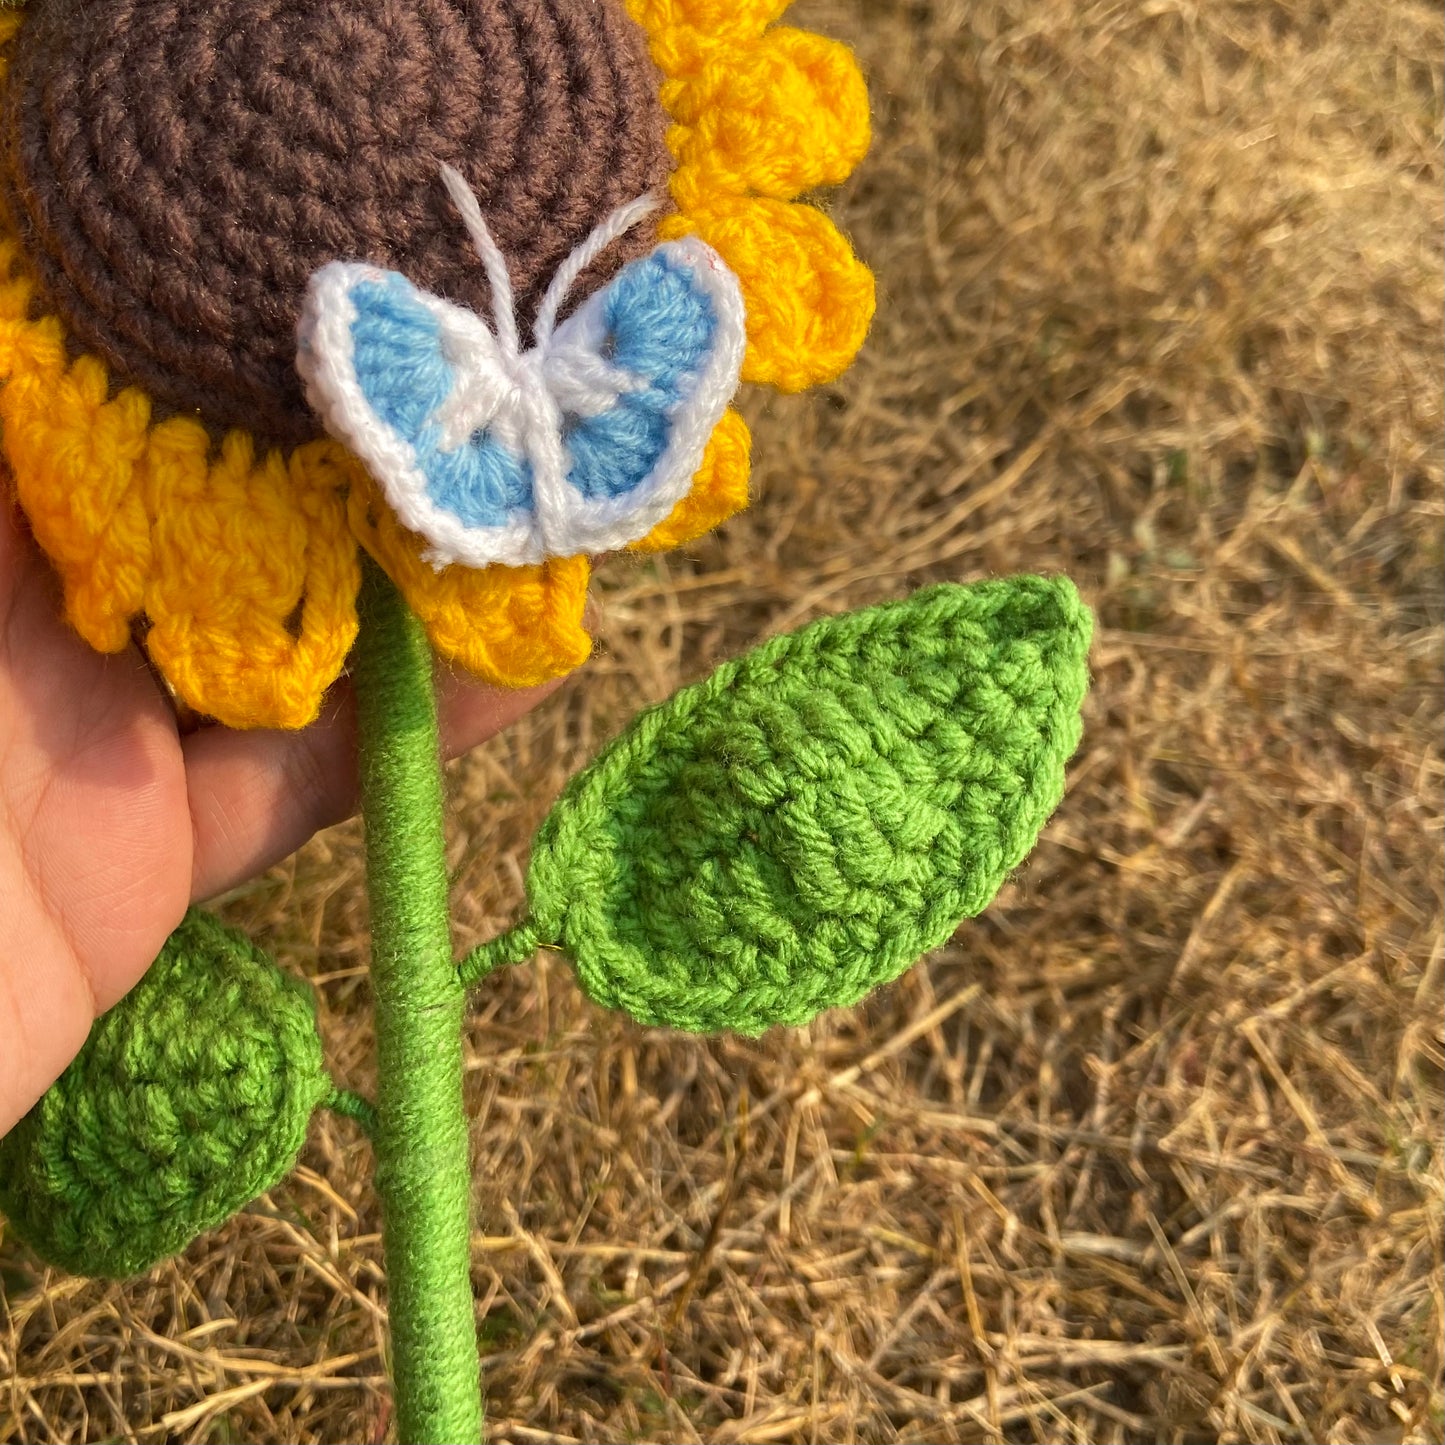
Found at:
[782, 838]
[514, 946]
[804, 824]
[356, 1107]
[190, 1097]
[420, 1132]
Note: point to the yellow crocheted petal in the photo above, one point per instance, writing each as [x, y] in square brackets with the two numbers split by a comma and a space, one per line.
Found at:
[809, 299]
[73, 454]
[783, 116]
[682, 34]
[252, 589]
[719, 490]
[510, 626]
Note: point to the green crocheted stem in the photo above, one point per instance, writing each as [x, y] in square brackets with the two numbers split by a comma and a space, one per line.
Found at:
[423, 1175]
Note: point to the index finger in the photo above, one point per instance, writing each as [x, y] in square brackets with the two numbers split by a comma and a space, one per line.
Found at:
[256, 797]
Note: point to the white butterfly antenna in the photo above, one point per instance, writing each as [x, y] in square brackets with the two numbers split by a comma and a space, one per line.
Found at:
[504, 314]
[617, 225]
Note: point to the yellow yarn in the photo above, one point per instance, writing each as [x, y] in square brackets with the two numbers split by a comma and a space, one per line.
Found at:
[73, 456]
[779, 117]
[247, 572]
[763, 115]
[246, 554]
[719, 490]
[513, 626]
[683, 32]
[809, 303]
[245, 569]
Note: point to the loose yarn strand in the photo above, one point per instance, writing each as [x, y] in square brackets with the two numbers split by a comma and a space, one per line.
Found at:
[617, 225]
[504, 314]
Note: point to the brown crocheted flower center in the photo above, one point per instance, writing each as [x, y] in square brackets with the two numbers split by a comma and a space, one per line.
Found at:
[178, 168]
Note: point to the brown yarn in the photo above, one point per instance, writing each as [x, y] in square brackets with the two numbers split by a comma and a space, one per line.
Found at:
[178, 168]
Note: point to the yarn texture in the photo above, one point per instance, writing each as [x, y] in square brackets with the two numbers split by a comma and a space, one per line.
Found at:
[181, 167]
[236, 559]
[800, 827]
[190, 1097]
[420, 1134]
[764, 113]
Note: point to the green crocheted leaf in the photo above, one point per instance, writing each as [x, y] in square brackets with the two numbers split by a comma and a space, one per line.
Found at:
[807, 822]
[191, 1096]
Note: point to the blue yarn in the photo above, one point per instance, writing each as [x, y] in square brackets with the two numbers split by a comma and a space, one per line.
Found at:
[660, 323]
[482, 483]
[405, 376]
[613, 452]
[661, 327]
[397, 354]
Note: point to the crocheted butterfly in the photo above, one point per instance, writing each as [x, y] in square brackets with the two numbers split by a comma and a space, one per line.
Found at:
[498, 455]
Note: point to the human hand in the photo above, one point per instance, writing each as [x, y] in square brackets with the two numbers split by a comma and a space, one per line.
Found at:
[112, 821]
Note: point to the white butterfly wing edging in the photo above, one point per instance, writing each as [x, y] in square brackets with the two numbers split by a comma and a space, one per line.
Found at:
[399, 411]
[615, 495]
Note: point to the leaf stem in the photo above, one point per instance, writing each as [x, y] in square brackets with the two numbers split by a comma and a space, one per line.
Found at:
[516, 945]
[354, 1106]
[423, 1173]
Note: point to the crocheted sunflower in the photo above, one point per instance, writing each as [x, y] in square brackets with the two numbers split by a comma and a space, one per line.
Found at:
[175, 173]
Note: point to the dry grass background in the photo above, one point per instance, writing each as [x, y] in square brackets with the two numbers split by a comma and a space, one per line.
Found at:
[1152, 1151]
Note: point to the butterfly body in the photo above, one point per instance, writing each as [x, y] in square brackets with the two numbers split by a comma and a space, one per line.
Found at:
[580, 444]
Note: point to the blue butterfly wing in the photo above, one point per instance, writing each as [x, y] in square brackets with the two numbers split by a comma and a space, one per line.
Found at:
[660, 327]
[673, 322]
[376, 366]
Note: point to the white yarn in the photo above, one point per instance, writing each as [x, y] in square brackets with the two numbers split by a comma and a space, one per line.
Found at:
[520, 399]
[504, 310]
[614, 228]
[614, 522]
